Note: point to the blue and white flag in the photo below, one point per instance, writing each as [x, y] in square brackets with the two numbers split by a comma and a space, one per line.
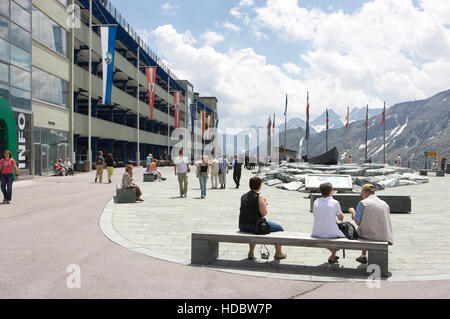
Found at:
[108, 36]
[285, 109]
[193, 114]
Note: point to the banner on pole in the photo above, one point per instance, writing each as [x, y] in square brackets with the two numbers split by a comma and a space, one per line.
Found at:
[150, 72]
[177, 97]
[108, 38]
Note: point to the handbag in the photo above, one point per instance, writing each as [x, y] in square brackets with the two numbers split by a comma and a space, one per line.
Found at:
[262, 228]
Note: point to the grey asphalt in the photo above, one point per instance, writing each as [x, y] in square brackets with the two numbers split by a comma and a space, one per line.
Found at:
[53, 223]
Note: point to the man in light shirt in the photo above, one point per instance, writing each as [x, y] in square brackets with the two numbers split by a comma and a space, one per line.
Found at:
[181, 169]
[215, 173]
[326, 210]
[224, 167]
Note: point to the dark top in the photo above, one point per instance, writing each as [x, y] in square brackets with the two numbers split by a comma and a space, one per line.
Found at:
[99, 160]
[249, 209]
[109, 162]
[203, 168]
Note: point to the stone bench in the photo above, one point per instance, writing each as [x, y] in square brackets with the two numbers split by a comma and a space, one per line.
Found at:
[127, 195]
[205, 245]
[425, 172]
[397, 203]
[150, 177]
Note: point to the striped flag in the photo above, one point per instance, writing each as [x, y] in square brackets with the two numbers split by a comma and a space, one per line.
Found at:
[383, 115]
[177, 97]
[347, 119]
[327, 120]
[285, 109]
[151, 84]
[108, 38]
[366, 123]
[273, 124]
[203, 123]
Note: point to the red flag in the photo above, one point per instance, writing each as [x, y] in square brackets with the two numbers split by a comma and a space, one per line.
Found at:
[383, 115]
[273, 124]
[211, 121]
[327, 120]
[177, 95]
[151, 84]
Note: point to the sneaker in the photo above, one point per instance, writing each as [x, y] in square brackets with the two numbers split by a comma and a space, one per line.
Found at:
[362, 259]
[96, 180]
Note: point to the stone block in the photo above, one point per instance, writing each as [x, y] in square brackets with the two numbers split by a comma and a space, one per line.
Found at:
[127, 195]
[204, 252]
[379, 258]
[150, 177]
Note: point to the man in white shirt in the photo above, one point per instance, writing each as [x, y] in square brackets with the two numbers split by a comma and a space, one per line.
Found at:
[399, 160]
[181, 169]
[215, 173]
[326, 210]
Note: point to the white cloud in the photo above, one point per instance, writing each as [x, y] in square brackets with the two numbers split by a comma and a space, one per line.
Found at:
[211, 38]
[292, 68]
[230, 26]
[169, 9]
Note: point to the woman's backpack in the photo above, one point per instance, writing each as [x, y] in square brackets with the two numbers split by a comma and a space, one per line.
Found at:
[349, 230]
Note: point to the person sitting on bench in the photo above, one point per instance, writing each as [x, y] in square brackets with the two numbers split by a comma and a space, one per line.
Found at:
[127, 182]
[326, 210]
[372, 217]
[253, 207]
[153, 170]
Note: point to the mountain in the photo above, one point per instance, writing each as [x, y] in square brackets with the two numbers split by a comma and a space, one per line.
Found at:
[412, 128]
[294, 123]
[319, 124]
[359, 114]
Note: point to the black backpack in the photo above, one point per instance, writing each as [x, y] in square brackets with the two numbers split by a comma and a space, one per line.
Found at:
[262, 228]
[349, 230]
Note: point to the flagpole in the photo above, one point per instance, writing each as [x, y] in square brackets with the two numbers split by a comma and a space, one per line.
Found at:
[326, 135]
[138, 150]
[168, 115]
[273, 138]
[307, 126]
[89, 154]
[384, 135]
[367, 130]
[346, 133]
[285, 130]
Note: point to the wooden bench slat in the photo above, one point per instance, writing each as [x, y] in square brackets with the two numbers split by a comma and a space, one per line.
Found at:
[288, 239]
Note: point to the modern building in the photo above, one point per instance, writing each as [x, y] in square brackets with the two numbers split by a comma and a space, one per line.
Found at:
[45, 84]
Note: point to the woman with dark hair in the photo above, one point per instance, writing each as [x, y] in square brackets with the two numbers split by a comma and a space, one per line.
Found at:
[7, 168]
[109, 166]
[253, 207]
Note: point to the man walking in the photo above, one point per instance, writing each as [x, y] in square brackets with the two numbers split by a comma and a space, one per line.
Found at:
[215, 173]
[372, 218]
[224, 166]
[181, 169]
[237, 171]
[99, 166]
[443, 162]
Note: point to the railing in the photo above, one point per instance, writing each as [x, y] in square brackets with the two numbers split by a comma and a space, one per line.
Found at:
[115, 13]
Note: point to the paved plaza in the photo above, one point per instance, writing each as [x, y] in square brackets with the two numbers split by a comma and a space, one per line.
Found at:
[161, 227]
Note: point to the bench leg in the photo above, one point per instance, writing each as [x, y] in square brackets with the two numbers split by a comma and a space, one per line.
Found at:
[380, 258]
[204, 252]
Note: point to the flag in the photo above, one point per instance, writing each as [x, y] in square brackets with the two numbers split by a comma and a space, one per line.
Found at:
[366, 123]
[210, 125]
[151, 86]
[285, 109]
[347, 118]
[273, 124]
[193, 112]
[177, 97]
[307, 115]
[383, 115]
[327, 120]
[108, 38]
[203, 123]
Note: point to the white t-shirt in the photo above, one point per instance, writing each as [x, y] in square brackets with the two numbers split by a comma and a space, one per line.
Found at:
[325, 225]
[181, 164]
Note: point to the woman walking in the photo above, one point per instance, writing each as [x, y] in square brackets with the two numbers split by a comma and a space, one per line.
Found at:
[109, 166]
[203, 171]
[7, 165]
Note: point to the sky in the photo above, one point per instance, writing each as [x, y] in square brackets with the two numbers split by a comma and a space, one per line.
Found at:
[251, 53]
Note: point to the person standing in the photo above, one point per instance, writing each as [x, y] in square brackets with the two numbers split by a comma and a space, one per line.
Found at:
[237, 171]
[224, 167]
[109, 166]
[7, 168]
[443, 162]
[203, 171]
[99, 166]
[399, 160]
[181, 169]
[215, 173]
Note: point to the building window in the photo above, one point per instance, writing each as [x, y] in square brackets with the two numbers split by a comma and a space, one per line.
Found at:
[49, 88]
[49, 145]
[4, 51]
[26, 4]
[20, 58]
[48, 32]
[4, 28]
[4, 91]
[20, 16]
[4, 7]
[4, 72]
[20, 78]
[20, 37]
[20, 99]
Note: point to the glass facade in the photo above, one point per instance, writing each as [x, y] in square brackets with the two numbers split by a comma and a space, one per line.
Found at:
[49, 33]
[49, 88]
[49, 145]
